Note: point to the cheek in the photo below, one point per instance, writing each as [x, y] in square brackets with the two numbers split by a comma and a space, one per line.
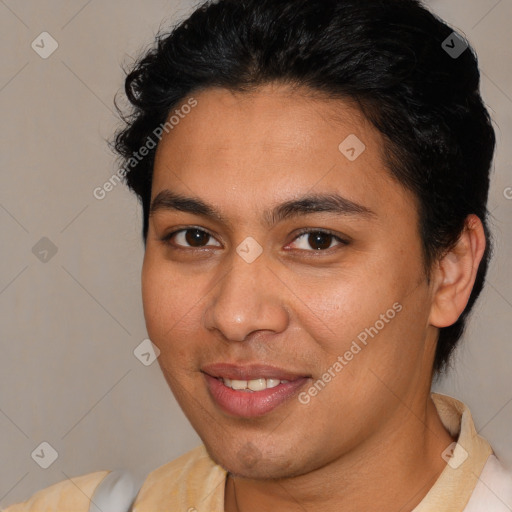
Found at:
[172, 308]
[372, 316]
[336, 309]
[153, 297]
[162, 301]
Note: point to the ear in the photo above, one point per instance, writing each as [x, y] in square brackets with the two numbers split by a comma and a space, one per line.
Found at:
[455, 274]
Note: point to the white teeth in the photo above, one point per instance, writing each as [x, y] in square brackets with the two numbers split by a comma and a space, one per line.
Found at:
[257, 384]
[238, 384]
[252, 385]
[272, 383]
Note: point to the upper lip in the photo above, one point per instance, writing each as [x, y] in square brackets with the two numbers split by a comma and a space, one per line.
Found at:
[249, 372]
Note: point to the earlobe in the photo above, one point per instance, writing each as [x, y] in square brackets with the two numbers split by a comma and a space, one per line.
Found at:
[455, 274]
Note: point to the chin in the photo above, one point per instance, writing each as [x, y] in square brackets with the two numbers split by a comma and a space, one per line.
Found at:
[247, 461]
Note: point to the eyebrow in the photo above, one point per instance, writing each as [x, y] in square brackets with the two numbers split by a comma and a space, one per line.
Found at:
[312, 203]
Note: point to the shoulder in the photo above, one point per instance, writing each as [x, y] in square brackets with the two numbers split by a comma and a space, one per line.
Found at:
[71, 495]
[493, 491]
[192, 478]
[195, 461]
[184, 483]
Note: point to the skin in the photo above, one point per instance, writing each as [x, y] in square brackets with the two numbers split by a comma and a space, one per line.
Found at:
[371, 439]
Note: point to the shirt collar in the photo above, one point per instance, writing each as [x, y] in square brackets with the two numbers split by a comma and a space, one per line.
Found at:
[465, 460]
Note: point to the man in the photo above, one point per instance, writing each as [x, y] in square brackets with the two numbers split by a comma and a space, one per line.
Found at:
[314, 179]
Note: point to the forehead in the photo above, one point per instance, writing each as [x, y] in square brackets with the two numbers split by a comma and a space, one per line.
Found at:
[271, 144]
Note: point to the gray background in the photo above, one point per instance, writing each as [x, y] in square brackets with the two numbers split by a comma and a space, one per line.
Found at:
[70, 324]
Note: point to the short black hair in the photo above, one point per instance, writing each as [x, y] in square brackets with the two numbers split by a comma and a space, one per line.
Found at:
[389, 56]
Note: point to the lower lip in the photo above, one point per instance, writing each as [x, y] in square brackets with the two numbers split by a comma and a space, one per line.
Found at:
[247, 404]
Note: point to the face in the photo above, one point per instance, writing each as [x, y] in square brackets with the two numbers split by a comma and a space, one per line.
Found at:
[275, 254]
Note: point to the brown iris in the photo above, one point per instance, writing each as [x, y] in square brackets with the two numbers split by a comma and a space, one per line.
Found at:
[196, 237]
[319, 240]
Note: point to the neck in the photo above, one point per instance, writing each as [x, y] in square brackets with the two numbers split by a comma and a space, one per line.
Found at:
[392, 471]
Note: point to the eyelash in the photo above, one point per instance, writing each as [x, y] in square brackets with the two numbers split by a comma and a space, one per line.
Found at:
[342, 242]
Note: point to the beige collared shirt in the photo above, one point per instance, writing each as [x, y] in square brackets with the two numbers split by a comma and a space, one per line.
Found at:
[473, 480]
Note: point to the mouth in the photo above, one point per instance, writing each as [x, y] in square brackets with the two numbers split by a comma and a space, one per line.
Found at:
[252, 385]
[251, 391]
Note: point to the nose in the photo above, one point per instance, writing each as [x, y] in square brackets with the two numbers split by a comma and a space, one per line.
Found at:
[248, 298]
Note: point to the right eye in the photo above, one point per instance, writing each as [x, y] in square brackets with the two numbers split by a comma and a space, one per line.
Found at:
[194, 237]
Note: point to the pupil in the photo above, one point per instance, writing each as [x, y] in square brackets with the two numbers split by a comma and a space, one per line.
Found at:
[321, 239]
[197, 237]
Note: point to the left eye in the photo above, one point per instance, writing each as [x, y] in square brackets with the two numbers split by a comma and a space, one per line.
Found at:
[318, 240]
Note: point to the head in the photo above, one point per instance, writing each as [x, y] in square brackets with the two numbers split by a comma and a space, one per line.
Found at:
[344, 117]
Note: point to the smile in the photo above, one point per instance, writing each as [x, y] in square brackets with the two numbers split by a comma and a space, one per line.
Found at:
[251, 391]
[252, 385]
